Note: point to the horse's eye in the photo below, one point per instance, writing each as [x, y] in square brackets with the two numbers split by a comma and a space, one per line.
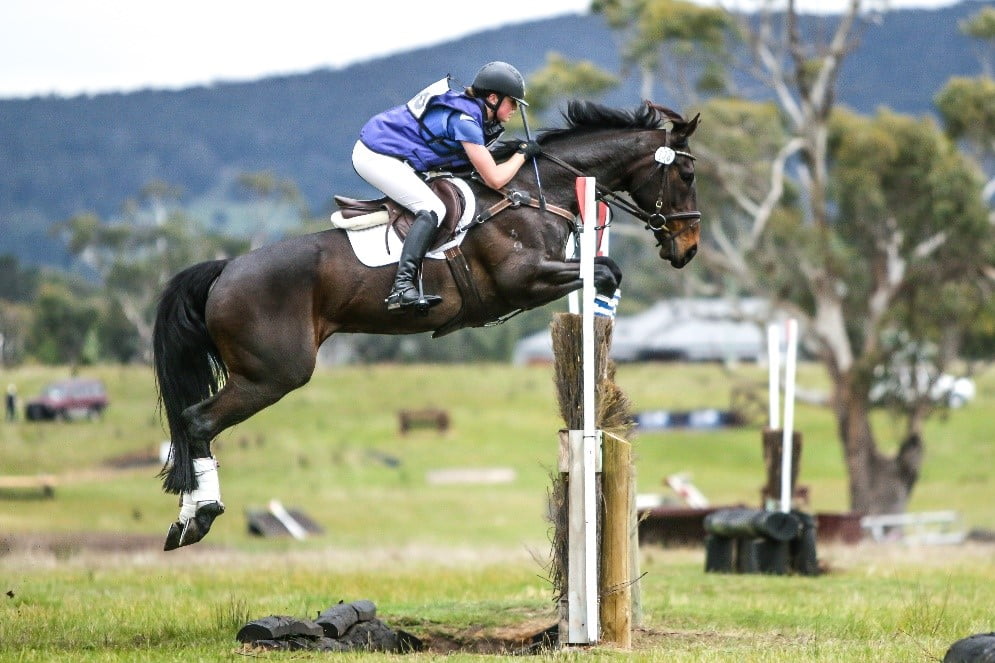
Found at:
[687, 176]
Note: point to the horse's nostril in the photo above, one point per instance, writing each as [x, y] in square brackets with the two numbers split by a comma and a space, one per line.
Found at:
[686, 258]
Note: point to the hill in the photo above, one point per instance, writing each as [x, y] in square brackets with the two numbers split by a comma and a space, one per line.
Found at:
[63, 156]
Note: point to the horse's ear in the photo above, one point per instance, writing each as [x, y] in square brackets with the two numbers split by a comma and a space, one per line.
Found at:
[691, 125]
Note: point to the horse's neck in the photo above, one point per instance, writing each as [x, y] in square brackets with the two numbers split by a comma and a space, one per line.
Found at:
[600, 156]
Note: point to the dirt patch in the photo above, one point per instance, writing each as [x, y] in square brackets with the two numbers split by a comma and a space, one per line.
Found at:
[532, 637]
[535, 637]
[64, 546]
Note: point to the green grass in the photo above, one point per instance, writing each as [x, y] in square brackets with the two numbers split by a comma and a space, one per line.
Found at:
[877, 605]
[464, 562]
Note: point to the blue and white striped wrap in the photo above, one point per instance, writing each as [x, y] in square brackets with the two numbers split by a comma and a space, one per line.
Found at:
[605, 306]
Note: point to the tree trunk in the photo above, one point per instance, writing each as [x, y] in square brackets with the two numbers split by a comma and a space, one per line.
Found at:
[878, 483]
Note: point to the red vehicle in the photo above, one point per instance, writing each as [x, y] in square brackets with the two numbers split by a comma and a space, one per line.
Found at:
[77, 398]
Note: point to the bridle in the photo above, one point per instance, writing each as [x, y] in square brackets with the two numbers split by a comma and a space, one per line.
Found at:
[656, 221]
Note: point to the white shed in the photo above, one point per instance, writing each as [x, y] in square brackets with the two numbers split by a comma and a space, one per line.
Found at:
[687, 329]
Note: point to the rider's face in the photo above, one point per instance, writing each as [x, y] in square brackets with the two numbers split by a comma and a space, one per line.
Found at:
[505, 110]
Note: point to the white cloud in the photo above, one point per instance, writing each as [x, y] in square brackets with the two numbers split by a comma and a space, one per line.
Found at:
[70, 46]
[73, 46]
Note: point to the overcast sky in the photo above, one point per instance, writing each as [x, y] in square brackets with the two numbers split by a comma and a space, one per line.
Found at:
[70, 47]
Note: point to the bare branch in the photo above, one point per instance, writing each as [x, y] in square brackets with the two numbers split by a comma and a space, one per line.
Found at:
[929, 246]
[888, 271]
[776, 188]
[826, 78]
[777, 77]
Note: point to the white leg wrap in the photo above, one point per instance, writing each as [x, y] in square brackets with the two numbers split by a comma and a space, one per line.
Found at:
[208, 488]
[188, 509]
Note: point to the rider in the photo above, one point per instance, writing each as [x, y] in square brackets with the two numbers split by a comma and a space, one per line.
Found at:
[439, 129]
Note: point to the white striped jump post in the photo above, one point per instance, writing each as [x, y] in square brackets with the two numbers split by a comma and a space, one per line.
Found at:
[585, 445]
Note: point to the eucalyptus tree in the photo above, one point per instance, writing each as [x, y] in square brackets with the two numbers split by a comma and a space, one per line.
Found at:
[967, 104]
[561, 77]
[271, 196]
[886, 287]
[911, 242]
[62, 326]
[135, 255]
[869, 230]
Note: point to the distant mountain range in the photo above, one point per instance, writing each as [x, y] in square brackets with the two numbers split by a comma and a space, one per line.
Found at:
[62, 156]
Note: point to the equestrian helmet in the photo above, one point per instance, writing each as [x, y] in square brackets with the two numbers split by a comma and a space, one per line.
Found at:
[502, 78]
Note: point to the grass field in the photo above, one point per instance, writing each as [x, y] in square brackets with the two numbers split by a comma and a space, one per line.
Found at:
[460, 566]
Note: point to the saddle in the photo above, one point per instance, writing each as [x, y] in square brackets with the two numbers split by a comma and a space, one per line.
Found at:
[401, 218]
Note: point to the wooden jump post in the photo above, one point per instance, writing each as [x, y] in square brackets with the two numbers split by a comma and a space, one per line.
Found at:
[598, 581]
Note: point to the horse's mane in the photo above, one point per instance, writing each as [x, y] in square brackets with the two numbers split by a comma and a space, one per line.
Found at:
[586, 117]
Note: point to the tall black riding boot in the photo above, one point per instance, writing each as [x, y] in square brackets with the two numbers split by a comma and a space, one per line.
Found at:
[405, 293]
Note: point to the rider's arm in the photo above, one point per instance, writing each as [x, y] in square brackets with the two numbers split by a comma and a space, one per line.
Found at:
[495, 175]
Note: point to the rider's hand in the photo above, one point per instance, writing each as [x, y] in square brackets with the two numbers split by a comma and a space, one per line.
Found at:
[529, 149]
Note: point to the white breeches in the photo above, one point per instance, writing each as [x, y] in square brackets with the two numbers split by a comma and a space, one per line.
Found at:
[208, 488]
[397, 180]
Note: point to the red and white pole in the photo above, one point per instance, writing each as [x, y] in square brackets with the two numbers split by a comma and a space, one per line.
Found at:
[582, 560]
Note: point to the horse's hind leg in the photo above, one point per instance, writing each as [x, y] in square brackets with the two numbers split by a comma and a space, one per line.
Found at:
[238, 400]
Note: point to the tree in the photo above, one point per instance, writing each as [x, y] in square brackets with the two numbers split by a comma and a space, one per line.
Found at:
[17, 284]
[967, 108]
[62, 324]
[681, 44]
[561, 77]
[857, 226]
[884, 283]
[967, 105]
[15, 323]
[135, 256]
[18, 287]
[270, 196]
[117, 338]
[981, 26]
[908, 206]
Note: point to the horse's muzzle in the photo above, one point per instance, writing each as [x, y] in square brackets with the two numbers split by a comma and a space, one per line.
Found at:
[680, 261]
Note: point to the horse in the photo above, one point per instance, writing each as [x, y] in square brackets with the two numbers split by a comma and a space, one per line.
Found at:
[233, 336]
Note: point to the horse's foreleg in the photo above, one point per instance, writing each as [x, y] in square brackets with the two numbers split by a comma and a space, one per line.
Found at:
[555, 279]
[607, 276]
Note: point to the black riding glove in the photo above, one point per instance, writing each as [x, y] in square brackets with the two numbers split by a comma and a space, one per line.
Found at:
[529, 149]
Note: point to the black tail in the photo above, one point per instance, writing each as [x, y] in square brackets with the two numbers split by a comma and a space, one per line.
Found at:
[188, 368]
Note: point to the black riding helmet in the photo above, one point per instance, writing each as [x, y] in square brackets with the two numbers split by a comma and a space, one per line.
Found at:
[502, 78]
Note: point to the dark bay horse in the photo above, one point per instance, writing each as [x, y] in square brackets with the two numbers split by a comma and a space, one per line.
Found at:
[232, 337]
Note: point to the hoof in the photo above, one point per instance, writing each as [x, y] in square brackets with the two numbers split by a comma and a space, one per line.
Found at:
[195, 529]
[173, 536]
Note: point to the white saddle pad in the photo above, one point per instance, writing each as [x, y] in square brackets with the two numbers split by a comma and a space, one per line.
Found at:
[376, 246]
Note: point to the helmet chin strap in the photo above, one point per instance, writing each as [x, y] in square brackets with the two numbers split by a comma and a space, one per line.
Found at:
[494, 107]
